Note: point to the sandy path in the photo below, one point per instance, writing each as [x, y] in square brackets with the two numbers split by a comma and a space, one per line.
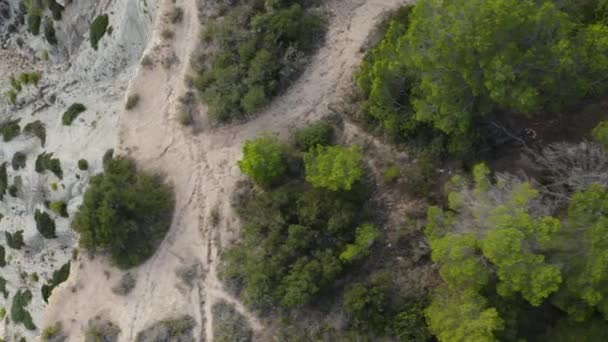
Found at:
[202, 169]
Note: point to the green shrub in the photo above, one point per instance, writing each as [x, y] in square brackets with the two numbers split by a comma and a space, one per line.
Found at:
[3, 180]
[45, 161]
[19, 313]
[33, 23]
[98, 29]
[258, 51]
[72, 113]
[2, 256]
[45, 224]
[391, 174]
[19, 159]
[13, 190]
[59, 276]
[125, 212]
[600, 133]
[59, 208]
[367, 303]
[15, 84]
[11, 96]
[334, 167]
[10, 130]
[83, 164]
[365, 236]
[264, 160]
[56, 9]
[14, 240]
[32, 78]
[410, 324]
[49, 32]
[37, 129]
[3, 289]
[132, 101]
[319, 133]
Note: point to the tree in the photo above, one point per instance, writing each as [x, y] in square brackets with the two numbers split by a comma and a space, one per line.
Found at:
[125, 212]
[334, 167]
[367, 302]
[263, 160]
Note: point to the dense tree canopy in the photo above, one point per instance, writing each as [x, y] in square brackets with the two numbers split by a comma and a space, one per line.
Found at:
[125, 212]
[333, 167]
[264, 160]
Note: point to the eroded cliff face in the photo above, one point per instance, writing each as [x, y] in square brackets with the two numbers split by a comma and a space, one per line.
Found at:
[70, 72]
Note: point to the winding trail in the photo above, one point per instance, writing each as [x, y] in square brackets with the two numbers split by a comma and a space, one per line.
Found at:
[202, 169]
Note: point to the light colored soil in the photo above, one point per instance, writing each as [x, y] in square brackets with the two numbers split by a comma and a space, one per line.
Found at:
[202, 169]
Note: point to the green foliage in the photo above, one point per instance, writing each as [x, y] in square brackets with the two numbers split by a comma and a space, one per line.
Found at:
[11, 96]
[125, 212]
[391, 174]
[37, 129]
[258, 51]
[10, 130]
[83, 164]
[98, 29]
[45, 224]
[334, 167]
[19, 313]
[59, 208]
[2, 256]
[263, 160]
[59, 276]
[49, 32]
[72, 113]
[30, 78]
[19, 159]
[13, 190]
[318, 133]
[410, 325]
[3, 180]
[600, 133]
[45, 161]
[367, 303]
[365, 236]
[292, 237]
[14, 240]
[3, 288]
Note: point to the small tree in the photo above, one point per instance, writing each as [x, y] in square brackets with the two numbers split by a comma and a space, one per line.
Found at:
[334, 167]
[263, 160]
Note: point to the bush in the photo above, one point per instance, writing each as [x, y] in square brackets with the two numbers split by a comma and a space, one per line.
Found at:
[10, 130]
[98, 29]
[33, 23]
[59, 208]
[72, 113]
[49, 32]
[391, 174]
[14, 240]
[367, 303]
[2, 256]
[19, 313]
[56, 9]
[319, 133]
[83, 164]
[258, 51]
[263, 160]
[410, 325]
[45, 224]
[3, 290]
[45, 161]
[13, 190]
[32, 78]
[11, 96]
[37, 129]
[178, 329]
[19, 159]
[125, 212]
[59, 276]
[3, 180]
[132, 101]
[334, 167]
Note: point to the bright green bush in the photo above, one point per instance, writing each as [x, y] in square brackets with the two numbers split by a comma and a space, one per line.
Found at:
[259, 50]
[59, 208]
[125, 212]
[600, 133]
[45, 224]
[365, 234]
[98, 29]
[19, 159]
[334, 167]
[72, 113]
[318, 133]
[264, 160]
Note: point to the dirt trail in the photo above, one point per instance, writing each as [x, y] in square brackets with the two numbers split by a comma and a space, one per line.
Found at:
[202, 169]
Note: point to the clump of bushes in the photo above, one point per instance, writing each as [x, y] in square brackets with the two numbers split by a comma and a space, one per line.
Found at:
[319, 133]
[72, 113]
[334, 167]
[19, 313]
[228, 324]
[83, 164]
[14, 240]
[19, 159]
[132, 101]
[264, 160]
[37, 129]
[98, 29]
[45, 161]
[125, 212]
[45, 224]
[259, 50]
[10, 130]
[59, 276]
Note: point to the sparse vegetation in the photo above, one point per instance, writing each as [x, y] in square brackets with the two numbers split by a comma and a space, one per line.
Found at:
[19, 159]
[52, 332]
[125, 285]
[132, 101]
[125, 212]
[59, 276]
[37, 129]
[167, 34]
[101, 330]
[179, 329]
[259, 50]
[229, 325]
[98, 29]
[13, 190]
[19, 313]
[176, 15]
[72, 113]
